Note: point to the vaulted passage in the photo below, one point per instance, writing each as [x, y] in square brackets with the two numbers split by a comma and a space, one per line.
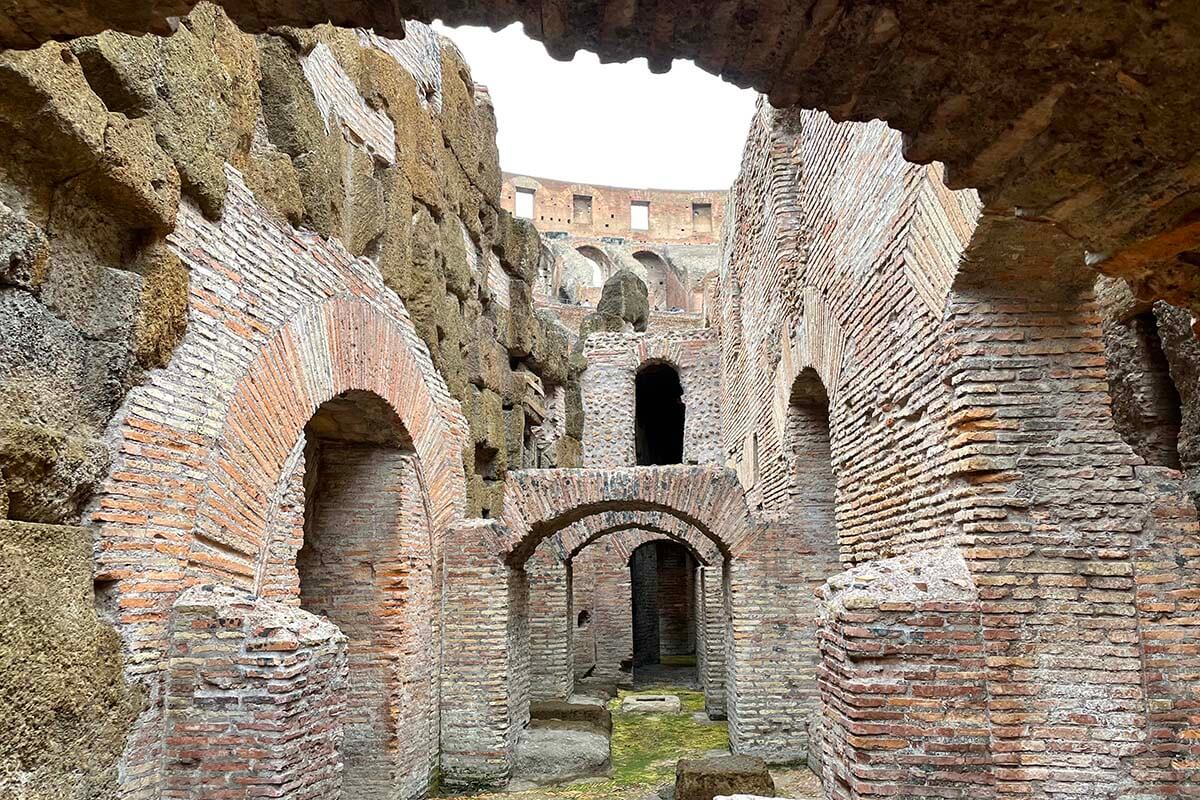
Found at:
[662, 577]
[659, 415]
[364, 565]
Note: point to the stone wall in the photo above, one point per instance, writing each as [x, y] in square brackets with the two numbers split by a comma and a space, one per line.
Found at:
[608, 390]
[64, 702]
[672, 217]
[572, 315]
[1153, 375]
[210, 234]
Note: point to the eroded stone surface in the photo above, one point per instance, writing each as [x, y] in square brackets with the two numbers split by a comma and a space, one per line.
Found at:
[651, 704]
[706, 778]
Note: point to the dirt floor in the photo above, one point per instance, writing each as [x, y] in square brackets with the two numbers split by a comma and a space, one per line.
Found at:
[645, 748]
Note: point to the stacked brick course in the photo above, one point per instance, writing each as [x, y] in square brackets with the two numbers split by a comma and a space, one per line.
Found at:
[255, 699]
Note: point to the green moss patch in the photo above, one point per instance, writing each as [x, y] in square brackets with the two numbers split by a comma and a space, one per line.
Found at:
[645, 748]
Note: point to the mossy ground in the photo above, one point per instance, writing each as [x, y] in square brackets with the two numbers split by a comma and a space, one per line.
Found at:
[645, 748]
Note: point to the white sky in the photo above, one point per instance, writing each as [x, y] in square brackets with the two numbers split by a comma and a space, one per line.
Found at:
[614, 124]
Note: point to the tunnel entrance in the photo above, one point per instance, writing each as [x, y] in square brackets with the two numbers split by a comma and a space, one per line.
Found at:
[658, 416]
[365, 566]
[663, 587]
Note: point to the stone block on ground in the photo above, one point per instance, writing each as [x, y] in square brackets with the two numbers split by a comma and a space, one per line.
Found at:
[651, 704]
[548, 753]
[586, 715]
[708, 778]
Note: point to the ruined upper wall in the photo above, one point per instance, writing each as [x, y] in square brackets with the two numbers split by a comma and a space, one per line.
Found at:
[380, 144]
[837, 261]
[674, 216]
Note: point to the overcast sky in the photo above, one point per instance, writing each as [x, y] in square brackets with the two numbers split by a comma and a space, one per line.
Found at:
[614, 124]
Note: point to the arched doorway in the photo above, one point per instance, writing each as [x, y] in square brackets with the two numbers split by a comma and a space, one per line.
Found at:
[666, 289]
[365, 565]
[601, 265]
[663, 589]
[658, 415]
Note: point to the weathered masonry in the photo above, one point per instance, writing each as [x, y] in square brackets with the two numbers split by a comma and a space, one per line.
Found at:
[319, 466]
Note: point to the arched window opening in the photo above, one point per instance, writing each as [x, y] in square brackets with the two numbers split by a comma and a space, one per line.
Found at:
[662, 581]
[583, 619]
[666, 289]
[812, 489]
[658, 416]
[365, 520]
[1147, 409]
[601, 265]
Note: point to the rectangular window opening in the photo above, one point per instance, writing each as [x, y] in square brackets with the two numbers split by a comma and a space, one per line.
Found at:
[524, 207]
[639, 215]
[581, 209]
[702, 218]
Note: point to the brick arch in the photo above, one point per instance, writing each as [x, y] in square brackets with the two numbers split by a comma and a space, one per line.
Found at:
[189, 506]
[331, 348]
[818, 343]
[540, 503]
[578, 535]
[356, 348]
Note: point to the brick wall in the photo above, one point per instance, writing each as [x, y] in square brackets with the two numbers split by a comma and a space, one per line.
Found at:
[772, 684]
[835, 256]
[969, 408]
[366, 567]
[903, 682]
[609, 391]
[256, 696]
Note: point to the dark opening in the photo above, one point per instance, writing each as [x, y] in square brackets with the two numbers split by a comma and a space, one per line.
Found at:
[658, 416]
[583, 619]
[663, 584]
[1147, 409]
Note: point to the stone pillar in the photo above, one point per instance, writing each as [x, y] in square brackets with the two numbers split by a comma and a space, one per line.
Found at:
[903, 681]
[485, 670]
[255, 699]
